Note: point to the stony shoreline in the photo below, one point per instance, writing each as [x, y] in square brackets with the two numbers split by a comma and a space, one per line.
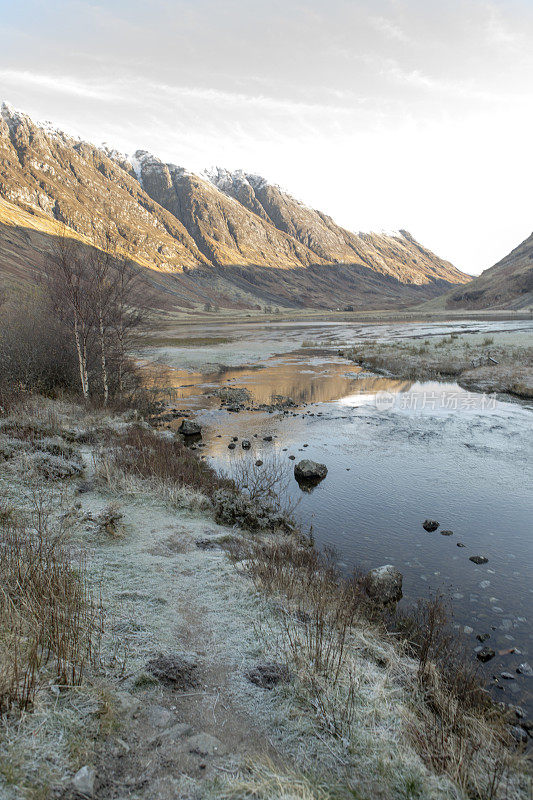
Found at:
[499, 363]
[207, 684]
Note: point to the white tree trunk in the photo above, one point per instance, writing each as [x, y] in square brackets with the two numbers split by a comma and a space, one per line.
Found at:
[105, 382]
[82, 361]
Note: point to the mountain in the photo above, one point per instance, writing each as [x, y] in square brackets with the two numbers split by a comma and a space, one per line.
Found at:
[508, 284]
[228, 238]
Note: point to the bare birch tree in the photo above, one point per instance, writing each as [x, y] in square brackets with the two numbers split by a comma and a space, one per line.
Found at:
[71, 284]
[121, 296]
[98, 291]
[103, 256]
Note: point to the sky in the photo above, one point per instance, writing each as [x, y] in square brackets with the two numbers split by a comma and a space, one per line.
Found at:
[385, 114]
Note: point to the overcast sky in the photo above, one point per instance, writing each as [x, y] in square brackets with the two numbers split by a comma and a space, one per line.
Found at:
[412, 114]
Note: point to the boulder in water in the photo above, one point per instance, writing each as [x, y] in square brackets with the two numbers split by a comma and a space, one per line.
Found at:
[310, 471]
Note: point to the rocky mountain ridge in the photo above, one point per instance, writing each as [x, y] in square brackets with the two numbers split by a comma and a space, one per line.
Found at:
[249, 242]
[507, 284]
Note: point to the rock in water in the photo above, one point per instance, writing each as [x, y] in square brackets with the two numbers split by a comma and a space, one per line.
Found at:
[246, 444]
[309, 471]
[203, 744]
[478, 559]
[446, 533]
[430, 525]
[485, 654]
[525, 669]
[384, 584]
[190, 428]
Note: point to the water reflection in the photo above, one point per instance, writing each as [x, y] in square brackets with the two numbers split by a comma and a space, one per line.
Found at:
[316, 380]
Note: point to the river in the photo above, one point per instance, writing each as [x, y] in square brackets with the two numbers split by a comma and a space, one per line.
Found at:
[397, 453]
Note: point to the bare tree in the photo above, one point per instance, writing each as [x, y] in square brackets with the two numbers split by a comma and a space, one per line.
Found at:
[71, 286]
[98, 291]
[129, 311]
[101, 261]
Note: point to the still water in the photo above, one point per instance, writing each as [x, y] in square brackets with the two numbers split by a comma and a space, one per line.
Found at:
[397, 453]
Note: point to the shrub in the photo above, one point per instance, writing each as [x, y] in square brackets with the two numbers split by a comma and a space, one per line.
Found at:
[233, 508]
[47, 613]
[141, 452]
[34, 353]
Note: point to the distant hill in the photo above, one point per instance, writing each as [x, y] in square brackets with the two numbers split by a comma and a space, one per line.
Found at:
[507, 285]
[226, 238]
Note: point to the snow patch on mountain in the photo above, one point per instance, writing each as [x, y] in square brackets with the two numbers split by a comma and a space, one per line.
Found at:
[228, 180]
[389, 233]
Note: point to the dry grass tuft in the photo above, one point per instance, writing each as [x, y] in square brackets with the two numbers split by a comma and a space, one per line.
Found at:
[144, 454]
[48, 617]
[265, 781]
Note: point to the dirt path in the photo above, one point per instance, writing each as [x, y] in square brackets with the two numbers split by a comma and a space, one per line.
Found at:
[170, 598]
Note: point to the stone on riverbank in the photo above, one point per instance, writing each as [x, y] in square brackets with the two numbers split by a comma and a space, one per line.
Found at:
[190, 428]
[384, 584]
[83, 782]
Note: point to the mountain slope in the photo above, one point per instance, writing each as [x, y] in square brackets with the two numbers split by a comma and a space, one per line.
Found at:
[75, 182]
[508, 284]
[232, 238]
[392, 254]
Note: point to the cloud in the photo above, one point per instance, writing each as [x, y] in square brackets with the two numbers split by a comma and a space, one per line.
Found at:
[455, 89]
[496, 29]
[363, 109]
[139, 91]
[58, 83]
[389, 29]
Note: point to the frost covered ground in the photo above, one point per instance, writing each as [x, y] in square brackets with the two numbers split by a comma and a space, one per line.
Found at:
[169, 590]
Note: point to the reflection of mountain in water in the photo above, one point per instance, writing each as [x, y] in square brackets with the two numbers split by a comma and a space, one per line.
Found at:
[302, 381]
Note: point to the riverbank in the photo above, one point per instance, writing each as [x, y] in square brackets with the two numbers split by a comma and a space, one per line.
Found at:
[499, 362]
[227, 664]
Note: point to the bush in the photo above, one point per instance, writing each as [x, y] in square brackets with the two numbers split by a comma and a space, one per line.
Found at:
[141, 452]
[47, 614]
[326, 620]
[232, 508]
[35, 353]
